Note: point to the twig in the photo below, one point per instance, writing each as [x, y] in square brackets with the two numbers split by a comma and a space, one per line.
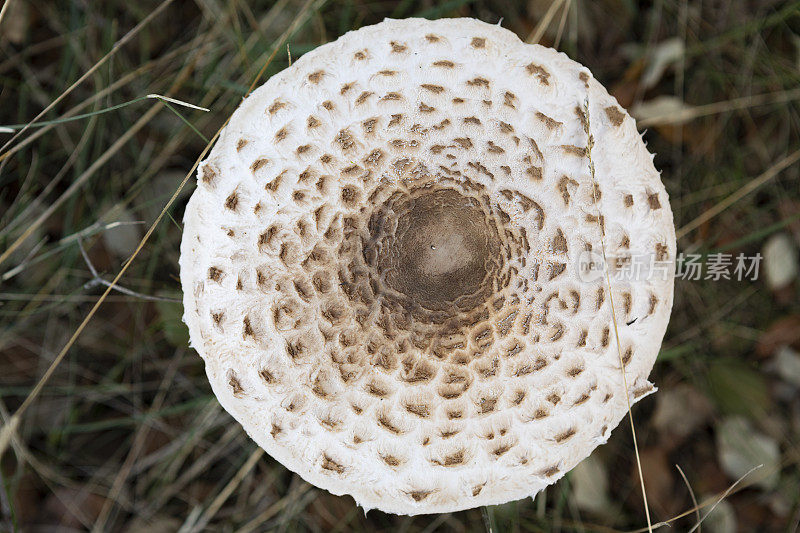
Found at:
[97, 226]
[25, 261]
[97, 280]
[724, 495]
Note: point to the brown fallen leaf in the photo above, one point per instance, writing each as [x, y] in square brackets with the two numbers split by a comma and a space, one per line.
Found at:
[27, 499]
[16, 25]
[680, 411]
[625, 90]
[783, 332]
[74, 506]
[789, 209]
[329, 511]
[737, 387]
[659, 478]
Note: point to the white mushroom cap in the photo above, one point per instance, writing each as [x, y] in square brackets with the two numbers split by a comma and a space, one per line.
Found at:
[380, 270]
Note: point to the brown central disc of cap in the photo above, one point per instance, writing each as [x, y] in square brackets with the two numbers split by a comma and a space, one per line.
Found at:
[441, 249]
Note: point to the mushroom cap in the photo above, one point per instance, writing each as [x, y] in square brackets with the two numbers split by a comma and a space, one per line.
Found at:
[381, 265]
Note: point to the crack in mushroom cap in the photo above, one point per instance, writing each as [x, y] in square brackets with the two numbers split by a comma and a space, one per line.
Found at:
[379, 265]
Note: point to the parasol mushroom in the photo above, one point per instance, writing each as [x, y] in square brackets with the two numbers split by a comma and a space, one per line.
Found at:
[380, 265]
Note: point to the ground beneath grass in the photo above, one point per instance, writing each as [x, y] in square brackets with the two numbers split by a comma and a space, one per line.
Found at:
[126, 434]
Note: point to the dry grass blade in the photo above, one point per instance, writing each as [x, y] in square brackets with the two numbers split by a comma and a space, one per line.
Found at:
[607, 275]
[14, 422]
[178, 102]
[715, 108]
[97, 280]
[258, 522]
[101, 94]
[4, 9]
[119, 44]
[724, 495]
[691, 492]
[135, 449]
[716, 499]
[538, 32]
[751, 186]
[122, 433]
[7, 432]
[81, 180]
[561, 24]
[226, 492]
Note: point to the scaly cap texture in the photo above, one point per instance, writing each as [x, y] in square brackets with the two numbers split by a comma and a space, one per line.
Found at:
[380, 265]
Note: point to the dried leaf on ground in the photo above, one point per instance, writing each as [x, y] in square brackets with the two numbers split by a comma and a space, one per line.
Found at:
[75, 507]
[659, 477]
[787, 365]
[782, 332]
[172, 325]
[663, 55]
[16, 23]
[589, 483]
[780, 261]
[667, 108]
[679, 412]
[742, 447]
[738, 388]
[122, 239]
[721, 520]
